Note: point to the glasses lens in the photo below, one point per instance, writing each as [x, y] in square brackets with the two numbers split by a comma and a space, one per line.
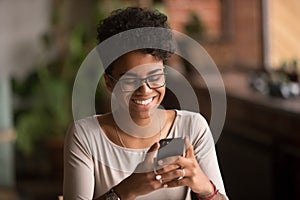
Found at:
[156, 81]
[132, 84]
[129, 84]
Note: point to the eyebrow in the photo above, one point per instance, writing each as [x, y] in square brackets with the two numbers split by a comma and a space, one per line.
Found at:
[135, 75]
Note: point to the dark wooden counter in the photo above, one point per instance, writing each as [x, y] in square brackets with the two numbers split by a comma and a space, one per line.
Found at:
[259, 149]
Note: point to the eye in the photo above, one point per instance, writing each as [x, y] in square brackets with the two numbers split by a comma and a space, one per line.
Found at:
[155, 78]
[130, 81]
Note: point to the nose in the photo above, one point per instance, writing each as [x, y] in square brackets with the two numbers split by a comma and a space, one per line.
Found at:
[144, 88]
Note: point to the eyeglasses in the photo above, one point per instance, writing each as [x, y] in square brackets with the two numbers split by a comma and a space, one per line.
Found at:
[131, 84]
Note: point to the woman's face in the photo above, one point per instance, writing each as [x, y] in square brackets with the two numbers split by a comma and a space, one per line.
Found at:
[131, 89]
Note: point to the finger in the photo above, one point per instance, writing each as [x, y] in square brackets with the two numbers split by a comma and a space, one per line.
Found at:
[148, 164]
[167, 161]
[157, 182]
[187, 141]
[151, 152]
[190, 152]
[154, 147]
[173, 175]
[183, 162]
[167, 168]
[176, 183]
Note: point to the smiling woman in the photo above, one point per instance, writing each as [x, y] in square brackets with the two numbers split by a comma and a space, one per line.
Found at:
[112, 155]
[131, 68]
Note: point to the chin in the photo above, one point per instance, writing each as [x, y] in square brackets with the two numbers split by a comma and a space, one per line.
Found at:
[142, 114]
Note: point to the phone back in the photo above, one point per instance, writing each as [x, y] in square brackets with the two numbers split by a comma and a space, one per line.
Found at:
[171, 147]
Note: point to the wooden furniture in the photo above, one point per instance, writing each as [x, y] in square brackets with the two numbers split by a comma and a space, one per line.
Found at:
[259, 149]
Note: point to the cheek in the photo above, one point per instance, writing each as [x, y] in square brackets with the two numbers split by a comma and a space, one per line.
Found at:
[123, 98]
[120, 97]
[162, 93]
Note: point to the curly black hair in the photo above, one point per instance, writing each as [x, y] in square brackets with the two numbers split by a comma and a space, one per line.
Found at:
[135, 17]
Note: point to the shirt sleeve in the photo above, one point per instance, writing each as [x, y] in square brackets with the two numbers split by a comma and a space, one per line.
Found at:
[78, 166]
[205, 152]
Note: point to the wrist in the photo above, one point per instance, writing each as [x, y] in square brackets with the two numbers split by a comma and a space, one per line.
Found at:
[210, 195]
[111, 195]
[124, 194]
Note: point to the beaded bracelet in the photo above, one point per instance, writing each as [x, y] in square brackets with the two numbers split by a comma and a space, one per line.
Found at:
[211, 196]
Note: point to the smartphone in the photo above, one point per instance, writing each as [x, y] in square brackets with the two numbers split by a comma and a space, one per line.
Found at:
[172, 147]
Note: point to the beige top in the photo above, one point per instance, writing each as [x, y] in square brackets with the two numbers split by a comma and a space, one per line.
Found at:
[93, 164]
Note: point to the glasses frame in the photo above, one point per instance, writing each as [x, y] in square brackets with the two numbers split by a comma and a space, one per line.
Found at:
[141, 81]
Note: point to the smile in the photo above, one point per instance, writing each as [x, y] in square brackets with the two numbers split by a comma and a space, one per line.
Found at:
[143, 102]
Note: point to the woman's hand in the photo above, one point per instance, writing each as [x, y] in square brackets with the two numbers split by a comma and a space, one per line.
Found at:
[143, 180]
[188, 174]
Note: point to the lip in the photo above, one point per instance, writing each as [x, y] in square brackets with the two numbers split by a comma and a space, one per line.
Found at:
[144, 102]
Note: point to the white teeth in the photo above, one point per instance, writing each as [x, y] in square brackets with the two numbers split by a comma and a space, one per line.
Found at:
[143, 102]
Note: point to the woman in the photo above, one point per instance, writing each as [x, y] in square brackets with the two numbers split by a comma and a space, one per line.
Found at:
[112, 156]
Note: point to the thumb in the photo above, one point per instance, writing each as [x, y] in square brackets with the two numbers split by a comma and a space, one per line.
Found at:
[148, 163]
[154, 147]
[151, 152]
[189, 147]
[190, 152]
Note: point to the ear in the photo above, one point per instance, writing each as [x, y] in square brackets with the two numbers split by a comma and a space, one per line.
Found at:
[109, 83]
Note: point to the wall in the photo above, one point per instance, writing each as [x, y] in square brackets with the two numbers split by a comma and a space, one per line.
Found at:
[209, 11]
[247, 34]
[233, 29]
[284, 29]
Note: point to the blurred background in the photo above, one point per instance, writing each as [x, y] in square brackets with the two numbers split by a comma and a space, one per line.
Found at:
[255, 45]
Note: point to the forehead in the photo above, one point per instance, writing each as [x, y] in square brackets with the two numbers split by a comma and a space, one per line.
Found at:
[136, 62]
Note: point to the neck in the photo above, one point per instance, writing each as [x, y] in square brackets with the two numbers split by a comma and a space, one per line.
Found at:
[140, 127]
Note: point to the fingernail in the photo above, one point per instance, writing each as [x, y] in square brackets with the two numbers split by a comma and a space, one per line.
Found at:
[165, 186]
[158, 177]
[160, 162]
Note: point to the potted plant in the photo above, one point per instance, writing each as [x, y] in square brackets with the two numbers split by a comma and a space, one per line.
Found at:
[44, 111]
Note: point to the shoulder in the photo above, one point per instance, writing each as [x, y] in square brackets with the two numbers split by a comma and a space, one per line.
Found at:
[105, 121]
[192, 124]
[185, 116]
[86, 124]
[83, 131]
